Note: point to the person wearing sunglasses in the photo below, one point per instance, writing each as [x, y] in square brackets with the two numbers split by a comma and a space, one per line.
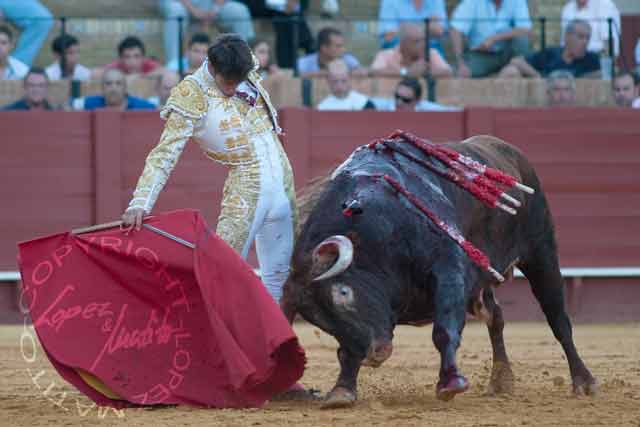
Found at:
[407, 94]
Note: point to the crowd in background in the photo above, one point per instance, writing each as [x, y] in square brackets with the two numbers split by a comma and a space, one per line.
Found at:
[485, 38]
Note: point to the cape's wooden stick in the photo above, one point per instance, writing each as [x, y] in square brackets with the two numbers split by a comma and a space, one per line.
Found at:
[97, 227]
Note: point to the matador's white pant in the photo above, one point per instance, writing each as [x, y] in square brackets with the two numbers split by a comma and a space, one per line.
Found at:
[266, 215]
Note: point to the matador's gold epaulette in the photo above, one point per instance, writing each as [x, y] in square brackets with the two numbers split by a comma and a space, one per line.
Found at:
[188, 99]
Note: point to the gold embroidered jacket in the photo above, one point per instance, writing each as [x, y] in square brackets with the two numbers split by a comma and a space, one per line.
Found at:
[222, 126]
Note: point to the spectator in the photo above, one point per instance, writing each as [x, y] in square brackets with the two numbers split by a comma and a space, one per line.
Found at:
[330, 47]
[342, 97]
[572, 57]
[596, 12]
[67, 46]
[561, 89]
[196, 54]
[166, 81]
[393, 12]
[625, 90]
[36, 88]
[34, 20]
[230, 15]
[132, 59]
[496, 30]
[262, 52]
[408, 57]
[407, 97]
[10, 67]
[114, 95]
[289, 25]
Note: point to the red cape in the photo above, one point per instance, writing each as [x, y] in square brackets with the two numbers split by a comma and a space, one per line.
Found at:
[155, 321]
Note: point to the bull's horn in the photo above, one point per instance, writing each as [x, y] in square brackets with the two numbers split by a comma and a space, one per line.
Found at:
[345, 255]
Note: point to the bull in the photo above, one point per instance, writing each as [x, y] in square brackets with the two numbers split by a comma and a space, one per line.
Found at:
[367, 260]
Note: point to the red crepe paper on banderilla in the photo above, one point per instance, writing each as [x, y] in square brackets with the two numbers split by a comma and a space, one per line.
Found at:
[142, 319]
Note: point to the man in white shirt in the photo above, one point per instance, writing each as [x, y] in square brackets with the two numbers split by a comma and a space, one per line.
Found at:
[67, 46]
[342, 97]
[596, 12]
[10, 67]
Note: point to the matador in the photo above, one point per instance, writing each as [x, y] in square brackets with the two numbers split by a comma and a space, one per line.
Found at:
[224, 109]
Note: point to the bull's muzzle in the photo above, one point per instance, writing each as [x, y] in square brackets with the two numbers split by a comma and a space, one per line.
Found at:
[344, 248]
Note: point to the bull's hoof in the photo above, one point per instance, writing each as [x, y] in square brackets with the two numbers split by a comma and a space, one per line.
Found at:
[339, 397]
[448, 390]
[502, 379]
[582, 387]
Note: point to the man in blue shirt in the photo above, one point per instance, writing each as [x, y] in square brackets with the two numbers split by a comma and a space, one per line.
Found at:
[114, 97]
[496, 31]
[392, 13]
[330, 47]
[573, 57]
[34, 21]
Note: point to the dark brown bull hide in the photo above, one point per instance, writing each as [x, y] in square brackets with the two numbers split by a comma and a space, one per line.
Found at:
[356, 277]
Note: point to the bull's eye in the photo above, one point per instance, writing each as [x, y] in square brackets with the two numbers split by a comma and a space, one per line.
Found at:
[342, 295]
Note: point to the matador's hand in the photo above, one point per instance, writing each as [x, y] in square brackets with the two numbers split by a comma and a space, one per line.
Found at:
[132, 219]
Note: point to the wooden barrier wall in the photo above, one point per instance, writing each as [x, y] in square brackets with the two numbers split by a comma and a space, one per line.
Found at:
[63, 170]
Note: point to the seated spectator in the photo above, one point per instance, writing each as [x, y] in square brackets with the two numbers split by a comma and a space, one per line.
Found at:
[36, 88]
[262, 51]
[596, 13]
[196, 54]
[393, 12]
[561, 89]
[114, 95]
[132, 59]
[330, 47]
[290, 25]
[495, 34]
[10, 67]
[407, 59]
[166, 81]
[625, 90]
[342, 96]
[573, 57]
[34, 21]
[407, 97]
[67, 46]
[230, 15]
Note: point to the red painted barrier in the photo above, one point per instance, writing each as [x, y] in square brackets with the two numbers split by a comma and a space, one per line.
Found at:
[63, 170]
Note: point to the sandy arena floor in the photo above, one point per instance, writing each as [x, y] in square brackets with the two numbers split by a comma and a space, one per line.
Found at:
[398, 393]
